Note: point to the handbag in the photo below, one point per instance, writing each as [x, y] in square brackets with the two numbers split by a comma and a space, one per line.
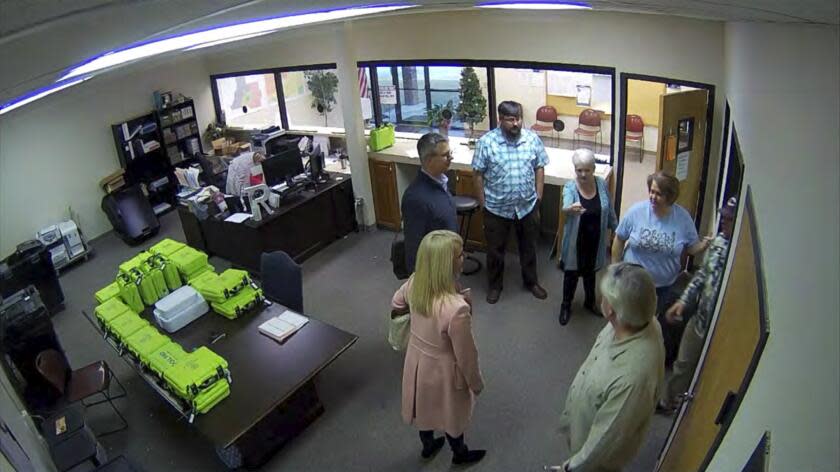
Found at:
[381, 137]
[399, 329]
[398, 257]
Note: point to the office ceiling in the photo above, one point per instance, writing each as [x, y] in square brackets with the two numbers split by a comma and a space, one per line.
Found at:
[40, 38]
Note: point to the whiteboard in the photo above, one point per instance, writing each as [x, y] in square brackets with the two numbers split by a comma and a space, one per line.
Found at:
[565, 84]
[602, 88]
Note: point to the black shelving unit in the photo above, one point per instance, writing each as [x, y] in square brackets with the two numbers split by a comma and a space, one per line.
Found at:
[180, 135]
[142, 155]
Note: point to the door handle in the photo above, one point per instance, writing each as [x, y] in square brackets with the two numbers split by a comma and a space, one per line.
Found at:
[726, 407]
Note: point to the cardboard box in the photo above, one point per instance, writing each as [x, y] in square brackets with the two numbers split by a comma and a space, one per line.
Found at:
[113, 181]
[219, 144]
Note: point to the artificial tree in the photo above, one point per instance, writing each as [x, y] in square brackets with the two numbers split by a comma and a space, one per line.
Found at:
[472, 106]
[322, 85]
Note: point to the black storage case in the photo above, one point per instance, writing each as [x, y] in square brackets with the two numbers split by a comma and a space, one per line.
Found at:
[130, 214]
[31, 264]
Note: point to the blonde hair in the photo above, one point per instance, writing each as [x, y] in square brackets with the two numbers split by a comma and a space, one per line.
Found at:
[434, 272]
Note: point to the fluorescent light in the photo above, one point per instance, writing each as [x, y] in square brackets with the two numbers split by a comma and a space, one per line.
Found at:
[221, 33]
[223, 41]
[38, 94]
[536, 5]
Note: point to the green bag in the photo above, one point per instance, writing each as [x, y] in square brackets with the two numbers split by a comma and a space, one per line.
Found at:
[190, 262]
[381, 137]
[108, 292]
[167, 247]
[218, 288]
[126, 325]
[165, 358]
[145, 342]
[130, 292]
[170, 272]
[399, 330]
[247, 299]
[196, 372]
[211, 397]
[109, 311]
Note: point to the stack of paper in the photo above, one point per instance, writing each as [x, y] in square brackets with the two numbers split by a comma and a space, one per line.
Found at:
[283, 325]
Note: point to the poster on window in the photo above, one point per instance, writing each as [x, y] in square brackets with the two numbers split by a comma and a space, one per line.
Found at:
[388, 94]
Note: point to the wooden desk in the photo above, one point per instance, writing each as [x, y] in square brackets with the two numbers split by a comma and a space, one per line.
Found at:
[301, 226]
[272, 394]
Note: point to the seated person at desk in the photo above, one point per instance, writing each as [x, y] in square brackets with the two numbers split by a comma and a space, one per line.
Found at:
[427, 204]
[239, 172]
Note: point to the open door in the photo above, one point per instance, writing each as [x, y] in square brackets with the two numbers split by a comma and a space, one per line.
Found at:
[735, 342]
[682, 142]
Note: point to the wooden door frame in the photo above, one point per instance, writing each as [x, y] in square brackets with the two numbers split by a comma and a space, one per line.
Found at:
[747, 211]
[624, 77]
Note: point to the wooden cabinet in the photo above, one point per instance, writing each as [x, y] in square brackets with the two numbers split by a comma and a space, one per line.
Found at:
[465, 185]
[386, 200]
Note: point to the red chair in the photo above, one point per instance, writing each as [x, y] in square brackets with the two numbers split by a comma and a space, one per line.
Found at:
[634, 128]
[546, 115]
[589, 124]
[76, 385]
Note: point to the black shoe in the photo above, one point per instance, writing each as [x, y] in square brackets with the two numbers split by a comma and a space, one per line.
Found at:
[538, 291]
[433, 448]
[592, 308]
[493, 296]
[565, 314]
[468, 456]
[665, 410]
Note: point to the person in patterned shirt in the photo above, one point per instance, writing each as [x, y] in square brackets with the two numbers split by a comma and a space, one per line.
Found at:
[509, 175]
[700, 294]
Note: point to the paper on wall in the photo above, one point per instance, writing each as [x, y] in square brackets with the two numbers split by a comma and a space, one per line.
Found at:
[682, 164]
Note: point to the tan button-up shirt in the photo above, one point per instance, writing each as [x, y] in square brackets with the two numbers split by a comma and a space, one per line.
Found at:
[612, 399]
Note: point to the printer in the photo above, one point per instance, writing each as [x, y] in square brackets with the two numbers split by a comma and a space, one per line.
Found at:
[64, 242]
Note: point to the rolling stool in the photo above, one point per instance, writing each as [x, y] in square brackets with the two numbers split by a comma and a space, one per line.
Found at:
[466, 206]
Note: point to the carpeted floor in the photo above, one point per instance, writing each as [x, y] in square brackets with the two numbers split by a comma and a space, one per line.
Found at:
[527, 358]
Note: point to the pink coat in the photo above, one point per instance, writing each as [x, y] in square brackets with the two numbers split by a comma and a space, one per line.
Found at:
[441, 376]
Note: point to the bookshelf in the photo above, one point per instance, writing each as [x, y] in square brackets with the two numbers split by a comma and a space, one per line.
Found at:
[180, 134]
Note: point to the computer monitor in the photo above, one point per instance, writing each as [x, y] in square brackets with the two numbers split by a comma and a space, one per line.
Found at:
[281, 167]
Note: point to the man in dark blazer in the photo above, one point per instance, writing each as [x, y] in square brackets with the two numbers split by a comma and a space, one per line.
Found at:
[427, 204]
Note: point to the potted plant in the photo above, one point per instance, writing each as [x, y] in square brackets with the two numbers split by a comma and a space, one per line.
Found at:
[215, 134]
[472, 107]
[323, 86]
[440, 116]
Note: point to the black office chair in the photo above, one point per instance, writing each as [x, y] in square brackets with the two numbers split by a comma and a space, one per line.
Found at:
[466, 207]
[282, 280]
[208, 171]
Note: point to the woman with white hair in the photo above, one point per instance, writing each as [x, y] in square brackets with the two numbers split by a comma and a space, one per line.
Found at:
[589, 217]
[613, 396]
[441, 376]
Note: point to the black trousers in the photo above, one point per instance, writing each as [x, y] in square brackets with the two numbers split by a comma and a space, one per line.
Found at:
[570, 282]
[496, 231]
[427, 437]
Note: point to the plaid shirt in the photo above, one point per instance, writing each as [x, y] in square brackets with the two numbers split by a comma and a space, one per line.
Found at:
[509, 170]
[702, 292]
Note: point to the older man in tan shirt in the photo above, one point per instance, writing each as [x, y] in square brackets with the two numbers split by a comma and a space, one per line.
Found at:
[613, 396]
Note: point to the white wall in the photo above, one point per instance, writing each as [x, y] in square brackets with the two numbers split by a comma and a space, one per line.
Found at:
[782, 83]
[54, 151]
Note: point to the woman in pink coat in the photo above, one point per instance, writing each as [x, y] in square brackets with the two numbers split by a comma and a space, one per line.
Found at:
[441, 376]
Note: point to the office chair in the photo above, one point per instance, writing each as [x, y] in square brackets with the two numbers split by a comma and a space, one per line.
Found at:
[208, 170]
[282, 280]
[589, 124]
[77, 385]
[635, 131]
[546, 115]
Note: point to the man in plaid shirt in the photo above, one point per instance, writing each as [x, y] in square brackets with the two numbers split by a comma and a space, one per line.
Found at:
[700, 294]
[509, 175]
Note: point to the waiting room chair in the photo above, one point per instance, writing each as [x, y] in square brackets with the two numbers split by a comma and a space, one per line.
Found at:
[546, 115]
[634, 128]
[282, 280]
[77, 385]
[589, 125]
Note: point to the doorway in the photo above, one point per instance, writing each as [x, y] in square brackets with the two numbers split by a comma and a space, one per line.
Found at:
[664, 124]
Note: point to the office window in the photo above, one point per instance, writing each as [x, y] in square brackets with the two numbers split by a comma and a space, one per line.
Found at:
[249, 101]
[569, 93]
[312, 99]
[366, 97]
[408, 94]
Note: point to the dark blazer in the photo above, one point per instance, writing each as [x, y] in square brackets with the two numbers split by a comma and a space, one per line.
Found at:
[426, 206]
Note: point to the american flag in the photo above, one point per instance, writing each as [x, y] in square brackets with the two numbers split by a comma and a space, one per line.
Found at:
[363, 85]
